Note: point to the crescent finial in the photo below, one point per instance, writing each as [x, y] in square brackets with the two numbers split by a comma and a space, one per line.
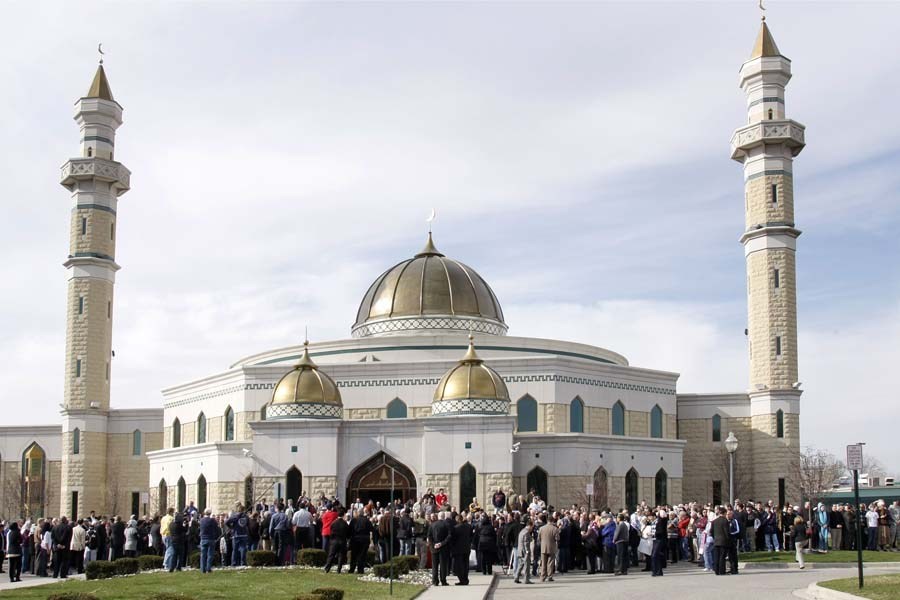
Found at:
[100, 50]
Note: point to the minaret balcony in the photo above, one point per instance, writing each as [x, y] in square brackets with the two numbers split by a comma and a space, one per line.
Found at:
[77, 169]
[782, 131]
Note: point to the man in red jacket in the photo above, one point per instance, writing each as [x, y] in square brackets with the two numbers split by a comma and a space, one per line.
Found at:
[441, 499]
[328, 518]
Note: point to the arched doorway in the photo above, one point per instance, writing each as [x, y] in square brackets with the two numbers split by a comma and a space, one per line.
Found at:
[201, 493]
[631, 489]
[34, 470]
[163, 492]
[468, 487]
[293, 484]
[372, 480]
[537, 481]
[182, 495]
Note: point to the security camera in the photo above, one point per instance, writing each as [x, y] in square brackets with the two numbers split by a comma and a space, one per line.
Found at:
[796, 385]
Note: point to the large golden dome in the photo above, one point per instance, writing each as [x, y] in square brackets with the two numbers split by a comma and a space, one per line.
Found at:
[305, 392]
[471, 387]
[426, 293]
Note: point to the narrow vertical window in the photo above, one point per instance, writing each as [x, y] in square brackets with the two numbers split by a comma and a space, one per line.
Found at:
[717, 493]
[777, 278]
[76, 441]
[779, 423]
[112, 231]
[83, 225]
[782, 492]
[229, 424]
[771, 114]
[109, 309]
[716, 428]
[90, 151]
[107, 370]
[774, 194]
[77, 367]
[136, 443]
[74, 510]
[80, 305]
[618, 418]
[777, 345]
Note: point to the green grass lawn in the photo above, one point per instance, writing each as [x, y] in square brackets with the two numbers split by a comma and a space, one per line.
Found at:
[249, 584]
[879, 587]
[835, 556]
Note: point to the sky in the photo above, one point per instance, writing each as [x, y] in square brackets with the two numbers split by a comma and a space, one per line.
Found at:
[577, 156]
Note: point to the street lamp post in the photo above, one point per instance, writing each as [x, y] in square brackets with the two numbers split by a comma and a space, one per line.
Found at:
[731, 444]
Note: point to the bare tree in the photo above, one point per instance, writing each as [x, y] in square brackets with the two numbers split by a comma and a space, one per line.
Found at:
[13, 504]
[113, 487]
[817, 472]
[742, 475]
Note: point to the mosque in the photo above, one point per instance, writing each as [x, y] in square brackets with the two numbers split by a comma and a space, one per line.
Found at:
[429, 390]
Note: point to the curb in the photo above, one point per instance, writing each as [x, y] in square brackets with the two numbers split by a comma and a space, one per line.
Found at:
[495, 581]
[815, 592]
[816, 565]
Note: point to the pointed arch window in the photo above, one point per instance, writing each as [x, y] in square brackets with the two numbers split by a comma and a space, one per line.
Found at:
[537, 481]
[468, 488]
[229, 424]
[201, 493]
[76, 441]
[662, 488]
[526, 414]
[576, 416]
[600, 497]
[618, 418]
[396, 409]
[201, 429]
[136, 443]
[176, 434]
[163, 493]
[34, 467]
[716, 428]
[779, 423]
[631, 489]
[656, 422]
[181, 500]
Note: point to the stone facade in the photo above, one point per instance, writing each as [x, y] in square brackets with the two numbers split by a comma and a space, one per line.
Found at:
[88, 340]
[556, 418]
[759, 205]
[598, 420]
[637, 423]
[772, 315]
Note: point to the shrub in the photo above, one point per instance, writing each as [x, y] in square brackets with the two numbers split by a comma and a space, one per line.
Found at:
[169, 596]
[312, 557]
[327, 593]
[100, 569]
[308, 597]
[400, 565]
[371, 558]
[149, 562]
[261, 558]
[72, 596]
[384, 571]
[410, 563]
[126, 566]
[194, 560]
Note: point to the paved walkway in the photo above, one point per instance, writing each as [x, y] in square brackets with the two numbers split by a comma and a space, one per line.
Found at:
[680, 581]
[476, 590]
[28, 580]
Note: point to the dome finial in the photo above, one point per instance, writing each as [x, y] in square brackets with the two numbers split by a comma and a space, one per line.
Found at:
[429, 249]
[305, 360]
[471, 356]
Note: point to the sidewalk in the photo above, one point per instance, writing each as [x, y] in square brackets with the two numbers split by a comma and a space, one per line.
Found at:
[478, 588]
[29, 580]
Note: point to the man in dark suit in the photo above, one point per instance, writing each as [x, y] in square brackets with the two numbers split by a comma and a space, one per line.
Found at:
[439, 541]
[735, 533]
[61, 537]
[721, 532]
[660, 537]
[460, 546]
[337, 542]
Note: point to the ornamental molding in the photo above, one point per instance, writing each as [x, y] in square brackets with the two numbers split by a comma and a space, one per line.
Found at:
[470, 406]
[87, 168]
[437, 322]
[305, 410]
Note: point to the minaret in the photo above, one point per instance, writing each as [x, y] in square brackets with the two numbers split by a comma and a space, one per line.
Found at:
[766, 146]
[96, 181]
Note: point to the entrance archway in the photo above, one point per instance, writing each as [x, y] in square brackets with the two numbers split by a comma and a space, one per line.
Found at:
[293, 485]
[372, 480]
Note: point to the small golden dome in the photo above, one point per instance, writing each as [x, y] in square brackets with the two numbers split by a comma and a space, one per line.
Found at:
[429, 292]
[306, 384]
[471, 379]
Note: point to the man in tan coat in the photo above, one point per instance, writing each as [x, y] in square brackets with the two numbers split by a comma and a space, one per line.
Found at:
[549, 538]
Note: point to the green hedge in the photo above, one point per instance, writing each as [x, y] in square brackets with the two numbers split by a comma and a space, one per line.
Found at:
[193, 560]
[308, 597]
[401, 565]
[169, 596]
[72, 596]
[261, 558]
[384, 571]
[149, 562]
[411, 560]
[327, 593]
[126, 566]
[312, 557]
[100, 569]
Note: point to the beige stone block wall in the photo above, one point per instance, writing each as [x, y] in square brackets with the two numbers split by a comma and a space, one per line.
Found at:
[759, 206]
[97, 236]
[598, 420]
[772, 313]
[242, 429]
[323, 485]
[419, 412]
[85, 472]
[676, 495]
[492, 481]
[647, 487]
[11, 499]
[189, 433]
[705, 461]
[671, 427]
[616, 492]
[88, 337]
[435, 481]
[556, 418]
[776, 457]
[637, 423]
[364, 413]
[215, 428]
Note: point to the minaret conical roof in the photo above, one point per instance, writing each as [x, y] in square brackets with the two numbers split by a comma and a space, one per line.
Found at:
[100, 86]
[765, 43]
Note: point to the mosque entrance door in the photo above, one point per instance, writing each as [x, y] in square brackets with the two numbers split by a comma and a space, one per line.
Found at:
[372, 480]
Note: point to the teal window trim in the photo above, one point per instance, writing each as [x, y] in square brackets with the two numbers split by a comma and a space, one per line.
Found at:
[618, 418]
[656, 422]
[76, 441]
[136, 443]
[396, 409]
[526, 414]
[576, 415]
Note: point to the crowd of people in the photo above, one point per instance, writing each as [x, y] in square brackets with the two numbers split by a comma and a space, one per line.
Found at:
[522, 535]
